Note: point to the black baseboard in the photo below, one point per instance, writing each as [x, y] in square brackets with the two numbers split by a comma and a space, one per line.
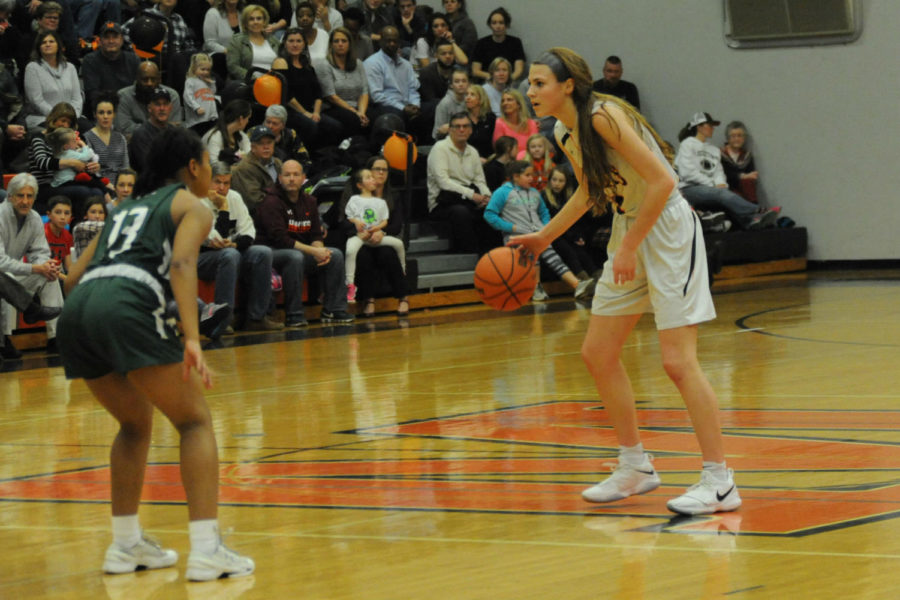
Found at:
[840, 265]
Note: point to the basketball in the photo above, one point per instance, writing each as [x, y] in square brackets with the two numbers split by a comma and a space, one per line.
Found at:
[505, 278]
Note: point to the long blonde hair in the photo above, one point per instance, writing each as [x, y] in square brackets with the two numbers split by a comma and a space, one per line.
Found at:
[598, 172]
[547, 162]
[522, 127]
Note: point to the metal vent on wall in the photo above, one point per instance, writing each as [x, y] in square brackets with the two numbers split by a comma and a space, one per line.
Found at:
[769, 23]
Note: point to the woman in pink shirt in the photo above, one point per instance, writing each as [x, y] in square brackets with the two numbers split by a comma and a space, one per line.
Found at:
[514, 120]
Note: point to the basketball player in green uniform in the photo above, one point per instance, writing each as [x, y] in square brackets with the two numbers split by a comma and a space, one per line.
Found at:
[113, 334]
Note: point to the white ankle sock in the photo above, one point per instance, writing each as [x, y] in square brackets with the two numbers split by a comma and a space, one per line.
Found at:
[717, 470]
[632, 455]
[204, 534]
[126, 530]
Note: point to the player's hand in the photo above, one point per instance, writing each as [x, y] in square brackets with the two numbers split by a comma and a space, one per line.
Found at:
[624, 265]
[529, 242]
[193, 359]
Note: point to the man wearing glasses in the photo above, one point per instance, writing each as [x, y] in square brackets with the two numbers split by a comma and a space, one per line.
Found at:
[457, 190]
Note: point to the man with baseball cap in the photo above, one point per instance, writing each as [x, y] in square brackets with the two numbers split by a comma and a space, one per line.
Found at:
[110, 67]
[159, 108]
[257, 170]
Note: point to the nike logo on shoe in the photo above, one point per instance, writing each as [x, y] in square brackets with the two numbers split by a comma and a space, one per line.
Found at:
[652, 472]
[721, 497]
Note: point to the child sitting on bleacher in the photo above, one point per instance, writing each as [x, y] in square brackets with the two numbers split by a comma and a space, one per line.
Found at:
[56, 231]
[539, 152]
[370, 216]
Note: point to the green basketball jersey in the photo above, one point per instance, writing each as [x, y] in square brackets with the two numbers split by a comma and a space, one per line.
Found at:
[139, 233]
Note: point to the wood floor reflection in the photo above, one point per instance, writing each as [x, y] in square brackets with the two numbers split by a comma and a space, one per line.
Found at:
[443, 457]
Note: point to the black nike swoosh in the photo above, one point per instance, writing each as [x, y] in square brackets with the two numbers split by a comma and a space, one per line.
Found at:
[650, 472]
[721, 497]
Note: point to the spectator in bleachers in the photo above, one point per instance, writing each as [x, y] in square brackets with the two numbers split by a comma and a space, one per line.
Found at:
[344, 84]
[229, 254]
[499, 70]
[43, 165]
[394, 87]
[258, 169]
[737, 161]
[453, 102]
[48, 16]
[613, 84]
[49, 79]
[11, 39]
[411, 26]
[328, 18]
[288, 222]
[463, 28]
[22, 236]
[253, 47]
[88, 12]
[702, 179]
[515, 121]
[179, 38]
[372, 260]
[280, 15]
[226, 142]
[109, 67]
[124, 188]
[574, 245]
[498, 44]
[200, 110]
[316, 39]
[483, 119]
[12, 135]
[304, 93]
[377, 14]
[221, 23]
[159, 109]
[505, 151]
[361, 42]
[425, 51]
[539, 153]
[132, 109]
[288, 145]
[434, 80]
[457, 190]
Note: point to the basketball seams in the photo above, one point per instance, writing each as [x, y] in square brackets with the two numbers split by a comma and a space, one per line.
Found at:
[495, 285]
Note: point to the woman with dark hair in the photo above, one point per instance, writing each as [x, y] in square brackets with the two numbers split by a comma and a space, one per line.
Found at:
[374, 260]
[227, 142]
[110, 146]
[316, 39]
[49, 79]
[657, 263]
[304, 93]
[463, 28]
[423, 52]
[43, 164]
[498, 44]
[254, 47]
[112, 334]
[344, 84]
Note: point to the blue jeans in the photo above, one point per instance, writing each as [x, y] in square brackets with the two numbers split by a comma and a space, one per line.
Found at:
[705, 197]
[227, 265]
[87, 11]
[294, 264]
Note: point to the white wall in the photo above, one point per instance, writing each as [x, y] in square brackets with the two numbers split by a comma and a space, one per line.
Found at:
[825, 120]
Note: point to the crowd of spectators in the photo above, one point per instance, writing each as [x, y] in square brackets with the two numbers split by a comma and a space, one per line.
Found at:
[345, 68]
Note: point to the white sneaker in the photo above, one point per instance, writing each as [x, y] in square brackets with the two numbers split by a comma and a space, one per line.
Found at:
[626, 480]
[224, 562]
[708, 496]
[539, 294]
[584, 291]
[146, 554]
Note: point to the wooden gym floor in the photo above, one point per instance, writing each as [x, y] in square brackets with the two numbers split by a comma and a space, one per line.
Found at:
[443, 458]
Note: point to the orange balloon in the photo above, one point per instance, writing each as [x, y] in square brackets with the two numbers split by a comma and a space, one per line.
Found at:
[395, 152]
[267, 90]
